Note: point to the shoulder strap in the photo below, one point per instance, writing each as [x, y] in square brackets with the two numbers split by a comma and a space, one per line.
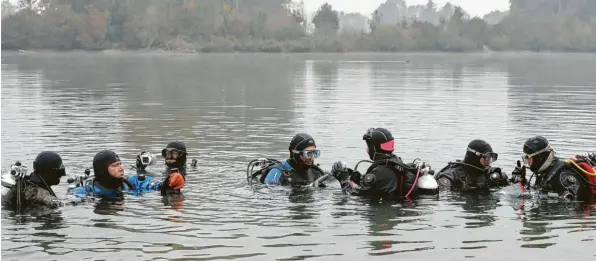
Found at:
[283, 167]
[372, 167]
[385, 162]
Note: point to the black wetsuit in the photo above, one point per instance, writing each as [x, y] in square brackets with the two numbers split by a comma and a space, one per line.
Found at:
[33, 195]
[562, 178]
[461, 176]
[385, 179]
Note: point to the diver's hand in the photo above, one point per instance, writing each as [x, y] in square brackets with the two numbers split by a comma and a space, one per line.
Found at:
[340, 171]
[518, 174]
[497, 176]
[355, 176]
[174, 181]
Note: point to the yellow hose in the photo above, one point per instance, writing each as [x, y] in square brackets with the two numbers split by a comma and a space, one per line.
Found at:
[580, 168]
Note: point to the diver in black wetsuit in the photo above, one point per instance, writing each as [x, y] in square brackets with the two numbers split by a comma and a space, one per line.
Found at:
[35, 191]
[573, 179]
[474, 173]
[387, 178]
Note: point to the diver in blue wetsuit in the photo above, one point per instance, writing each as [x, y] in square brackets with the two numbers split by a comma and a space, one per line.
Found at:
[299, 169]
[109, 181]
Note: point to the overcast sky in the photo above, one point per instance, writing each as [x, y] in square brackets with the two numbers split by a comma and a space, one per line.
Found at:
[366, 7]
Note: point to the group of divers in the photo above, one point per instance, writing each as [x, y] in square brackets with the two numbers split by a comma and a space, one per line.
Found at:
[387, 178]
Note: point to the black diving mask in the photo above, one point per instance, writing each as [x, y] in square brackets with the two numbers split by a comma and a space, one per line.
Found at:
[488, 156]
[172, 153]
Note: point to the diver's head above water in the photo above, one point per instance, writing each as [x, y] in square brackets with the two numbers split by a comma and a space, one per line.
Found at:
[108, 169]
[175, 154]
[303, 150]
[480, 154]
[537, 154]
[47, 168]
[379, 143]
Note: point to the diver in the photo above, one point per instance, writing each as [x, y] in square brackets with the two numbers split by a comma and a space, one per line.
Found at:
[110, 182]
[300, 168]
[35, 190]
[388, 177]
[572, 179]
[175, 158]
[474, 173]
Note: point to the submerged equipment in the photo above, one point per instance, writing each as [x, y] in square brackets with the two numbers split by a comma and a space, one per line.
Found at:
[80, 180]
[17, 170]
[424, 175]
[265, 165]
[583, 165]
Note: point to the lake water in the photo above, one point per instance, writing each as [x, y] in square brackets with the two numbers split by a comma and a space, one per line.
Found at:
[230, 109]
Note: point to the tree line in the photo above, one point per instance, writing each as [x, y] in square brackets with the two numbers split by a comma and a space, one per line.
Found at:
[283, 26]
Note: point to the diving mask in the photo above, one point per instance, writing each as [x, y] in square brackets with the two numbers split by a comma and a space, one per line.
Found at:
[308, 154]
[526, 157]
[171, 153]
[488, 156]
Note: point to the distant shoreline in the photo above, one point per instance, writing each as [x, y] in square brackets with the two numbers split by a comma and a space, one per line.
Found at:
[161, 51]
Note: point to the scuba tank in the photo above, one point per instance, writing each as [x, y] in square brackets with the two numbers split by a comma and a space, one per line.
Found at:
[424, 183]
[425, 180]
[265, 165]
[9, 179]
[585, 166]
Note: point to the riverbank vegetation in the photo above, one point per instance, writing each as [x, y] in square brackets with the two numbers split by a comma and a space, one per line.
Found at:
[283, 26]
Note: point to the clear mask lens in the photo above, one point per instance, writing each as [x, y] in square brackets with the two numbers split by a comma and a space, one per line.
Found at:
[491, 157]
[309, 154]
[526, 159]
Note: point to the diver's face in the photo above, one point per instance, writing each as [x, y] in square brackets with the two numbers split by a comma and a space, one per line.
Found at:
[308, 161]
[116, 170]
[171, 155]
[485, 163]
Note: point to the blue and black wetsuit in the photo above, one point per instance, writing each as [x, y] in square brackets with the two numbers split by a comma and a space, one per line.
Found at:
[132, 185]
[288, 172]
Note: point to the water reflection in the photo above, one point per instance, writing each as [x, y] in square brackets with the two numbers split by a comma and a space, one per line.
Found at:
[326, 74]
[481, 209]
[548, 99]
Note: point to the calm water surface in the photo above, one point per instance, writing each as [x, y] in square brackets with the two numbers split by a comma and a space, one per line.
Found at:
[230, 109]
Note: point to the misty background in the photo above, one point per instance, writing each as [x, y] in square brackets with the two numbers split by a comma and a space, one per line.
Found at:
[300, 26]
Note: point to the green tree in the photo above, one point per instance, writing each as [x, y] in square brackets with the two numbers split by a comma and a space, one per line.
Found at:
[326, 20]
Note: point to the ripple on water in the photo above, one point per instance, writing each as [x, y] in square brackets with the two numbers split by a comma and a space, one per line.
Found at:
[433, 105]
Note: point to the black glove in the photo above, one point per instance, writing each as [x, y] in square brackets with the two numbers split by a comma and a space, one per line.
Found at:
[519, 174]
[355, 176]
[495, 174]
[340, 171]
